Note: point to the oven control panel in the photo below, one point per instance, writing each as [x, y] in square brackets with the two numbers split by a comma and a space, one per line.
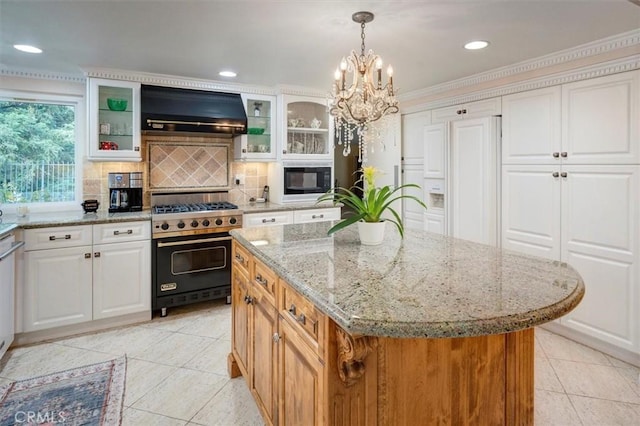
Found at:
[187, 225]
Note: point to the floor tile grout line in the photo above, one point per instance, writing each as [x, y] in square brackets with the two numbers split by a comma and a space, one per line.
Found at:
[605, 399]
[157, 414]
[209, 400]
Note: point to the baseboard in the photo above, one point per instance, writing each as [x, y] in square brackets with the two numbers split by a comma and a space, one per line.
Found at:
[21, 339]
[625, 355]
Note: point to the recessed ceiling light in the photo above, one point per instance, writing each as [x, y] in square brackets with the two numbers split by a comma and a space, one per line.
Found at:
[476, 44]
[227, 74]
[27, 48]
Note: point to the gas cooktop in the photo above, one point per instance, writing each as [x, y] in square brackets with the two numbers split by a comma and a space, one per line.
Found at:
[193, 207]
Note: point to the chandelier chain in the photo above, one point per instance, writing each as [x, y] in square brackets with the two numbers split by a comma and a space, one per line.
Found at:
[362, 37]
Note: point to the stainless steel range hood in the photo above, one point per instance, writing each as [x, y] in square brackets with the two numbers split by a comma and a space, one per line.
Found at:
[171, 109]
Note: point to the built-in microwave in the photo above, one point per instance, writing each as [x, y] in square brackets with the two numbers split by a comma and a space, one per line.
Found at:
[305, 181]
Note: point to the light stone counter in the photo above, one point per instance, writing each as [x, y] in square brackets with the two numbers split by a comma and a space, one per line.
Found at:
[425, 285]
[69, 218]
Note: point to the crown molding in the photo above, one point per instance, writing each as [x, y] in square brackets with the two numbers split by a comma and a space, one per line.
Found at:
[598, 70]
[620, 41]
[41, 75]
[286, 89]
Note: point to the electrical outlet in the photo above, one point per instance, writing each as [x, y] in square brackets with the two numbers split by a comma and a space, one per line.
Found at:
[239, 179]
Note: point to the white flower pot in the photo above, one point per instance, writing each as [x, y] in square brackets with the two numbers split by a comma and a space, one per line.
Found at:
[371, 233]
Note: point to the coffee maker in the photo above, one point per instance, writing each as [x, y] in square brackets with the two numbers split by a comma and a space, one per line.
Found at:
[125, 192]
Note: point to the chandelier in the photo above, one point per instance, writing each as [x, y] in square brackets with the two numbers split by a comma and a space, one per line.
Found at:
[359, 97]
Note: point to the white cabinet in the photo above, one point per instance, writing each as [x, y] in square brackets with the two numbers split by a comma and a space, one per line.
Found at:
[478, 109]
[413, 152]
[259, 144]
[473, 180]
[435, 223]
[413, 135]
[114, 120]
[267, 218]
[7, 291]
[316, 215]
[307, 129]
[87, 275]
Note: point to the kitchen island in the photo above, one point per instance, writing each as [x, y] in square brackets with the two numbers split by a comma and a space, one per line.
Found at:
[421, 330]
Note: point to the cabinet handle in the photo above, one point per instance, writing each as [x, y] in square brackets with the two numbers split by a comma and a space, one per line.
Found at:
[53, 237]
[563, 174]
[128, 231]
[244, 150]
[248, 299]
[261, 280]
[319, 216]
[96, 254]
[556, 154]
[87, 255]
[272, 220]
[136, 149]
[563, 154]
[556, 174]
[276, 337]
[301, 319]
[284, 151]
[239, 258]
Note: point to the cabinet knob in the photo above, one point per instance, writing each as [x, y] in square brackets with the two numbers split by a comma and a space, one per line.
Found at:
[96, 254]
[459, 112]
[556, 154]
[276, 337]
[464, 111]
[248, 299]
[563, 174]
[136, 149]
[87, 255]
[556, 174]
[563, 154]
[284, 151]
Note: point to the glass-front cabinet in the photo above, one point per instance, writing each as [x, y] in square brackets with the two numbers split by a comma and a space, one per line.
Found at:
[114, 120]
[308, 129]
[259, 142]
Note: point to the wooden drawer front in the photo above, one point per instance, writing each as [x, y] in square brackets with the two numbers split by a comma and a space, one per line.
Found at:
[316, 215]
[301, 313]
[241, 258]
[267, 219]
[57, 237]
[264, 279]
[121, 232]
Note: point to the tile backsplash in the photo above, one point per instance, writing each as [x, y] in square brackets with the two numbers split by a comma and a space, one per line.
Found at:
[95, 185]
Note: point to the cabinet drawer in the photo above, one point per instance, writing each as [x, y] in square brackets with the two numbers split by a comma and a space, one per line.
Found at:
[301, 313]
[241, 258]
[264, 279]
[267, 219]
[316, 215]
[121, 232]
[57, 237]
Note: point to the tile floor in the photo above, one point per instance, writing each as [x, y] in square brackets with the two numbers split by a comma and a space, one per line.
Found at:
[176, 373]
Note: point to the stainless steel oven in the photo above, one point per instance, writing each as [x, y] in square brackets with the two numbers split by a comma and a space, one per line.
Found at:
[191, 252]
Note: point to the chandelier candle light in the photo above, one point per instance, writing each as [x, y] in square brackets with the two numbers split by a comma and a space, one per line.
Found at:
[365, 100]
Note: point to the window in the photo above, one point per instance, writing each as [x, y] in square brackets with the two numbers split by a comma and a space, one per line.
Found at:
[38, 153]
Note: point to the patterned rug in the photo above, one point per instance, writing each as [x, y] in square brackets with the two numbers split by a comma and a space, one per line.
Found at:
[89, 395]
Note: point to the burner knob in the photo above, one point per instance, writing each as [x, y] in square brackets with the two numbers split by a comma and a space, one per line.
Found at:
[206, 222]
[194, 224]
[232, 221]
[218, 222]
[164, 226]
[181, 224]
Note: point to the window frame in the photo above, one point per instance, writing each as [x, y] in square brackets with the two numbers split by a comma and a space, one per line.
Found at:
[79, 148]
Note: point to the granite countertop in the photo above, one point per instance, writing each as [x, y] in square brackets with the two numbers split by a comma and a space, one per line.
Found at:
[68, 218]
[425, 285]
[273, 207]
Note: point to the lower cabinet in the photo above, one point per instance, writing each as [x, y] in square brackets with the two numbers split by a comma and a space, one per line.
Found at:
[288, 216]
[76, 274]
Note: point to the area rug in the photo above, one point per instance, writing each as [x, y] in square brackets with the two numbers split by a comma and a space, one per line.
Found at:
[89, 395]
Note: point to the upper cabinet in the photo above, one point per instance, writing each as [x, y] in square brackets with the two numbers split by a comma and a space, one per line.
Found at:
[587, 122]
[307, 129]
[478, 109]
[114, 120]
[259, 142]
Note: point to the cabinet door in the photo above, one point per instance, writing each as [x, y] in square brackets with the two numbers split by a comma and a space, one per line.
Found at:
[601, 233]
[121, 278]
[267, 218]
[413, 135]
[316, 215]
[114, 120]
[307, 129]
[531, 209]
[600, 120]
[264, 367]
[478, 109]
[435, 223]
[412, 212]
[435, 137]
[259, 142]
[57, 287]
[473, 171]
[240, 320]
[300, 380]
[531, 127]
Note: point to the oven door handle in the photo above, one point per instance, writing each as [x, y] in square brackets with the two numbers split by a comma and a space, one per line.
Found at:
[185, 242]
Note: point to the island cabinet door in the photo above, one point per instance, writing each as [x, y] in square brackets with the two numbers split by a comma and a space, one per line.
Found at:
[263, 354]
[240, 320]
[300, 380]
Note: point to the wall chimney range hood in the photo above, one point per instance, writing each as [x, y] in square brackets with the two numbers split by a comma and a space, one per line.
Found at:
[170, 109]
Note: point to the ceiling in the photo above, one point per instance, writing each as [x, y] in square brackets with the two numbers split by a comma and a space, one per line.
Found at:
[271, 42]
